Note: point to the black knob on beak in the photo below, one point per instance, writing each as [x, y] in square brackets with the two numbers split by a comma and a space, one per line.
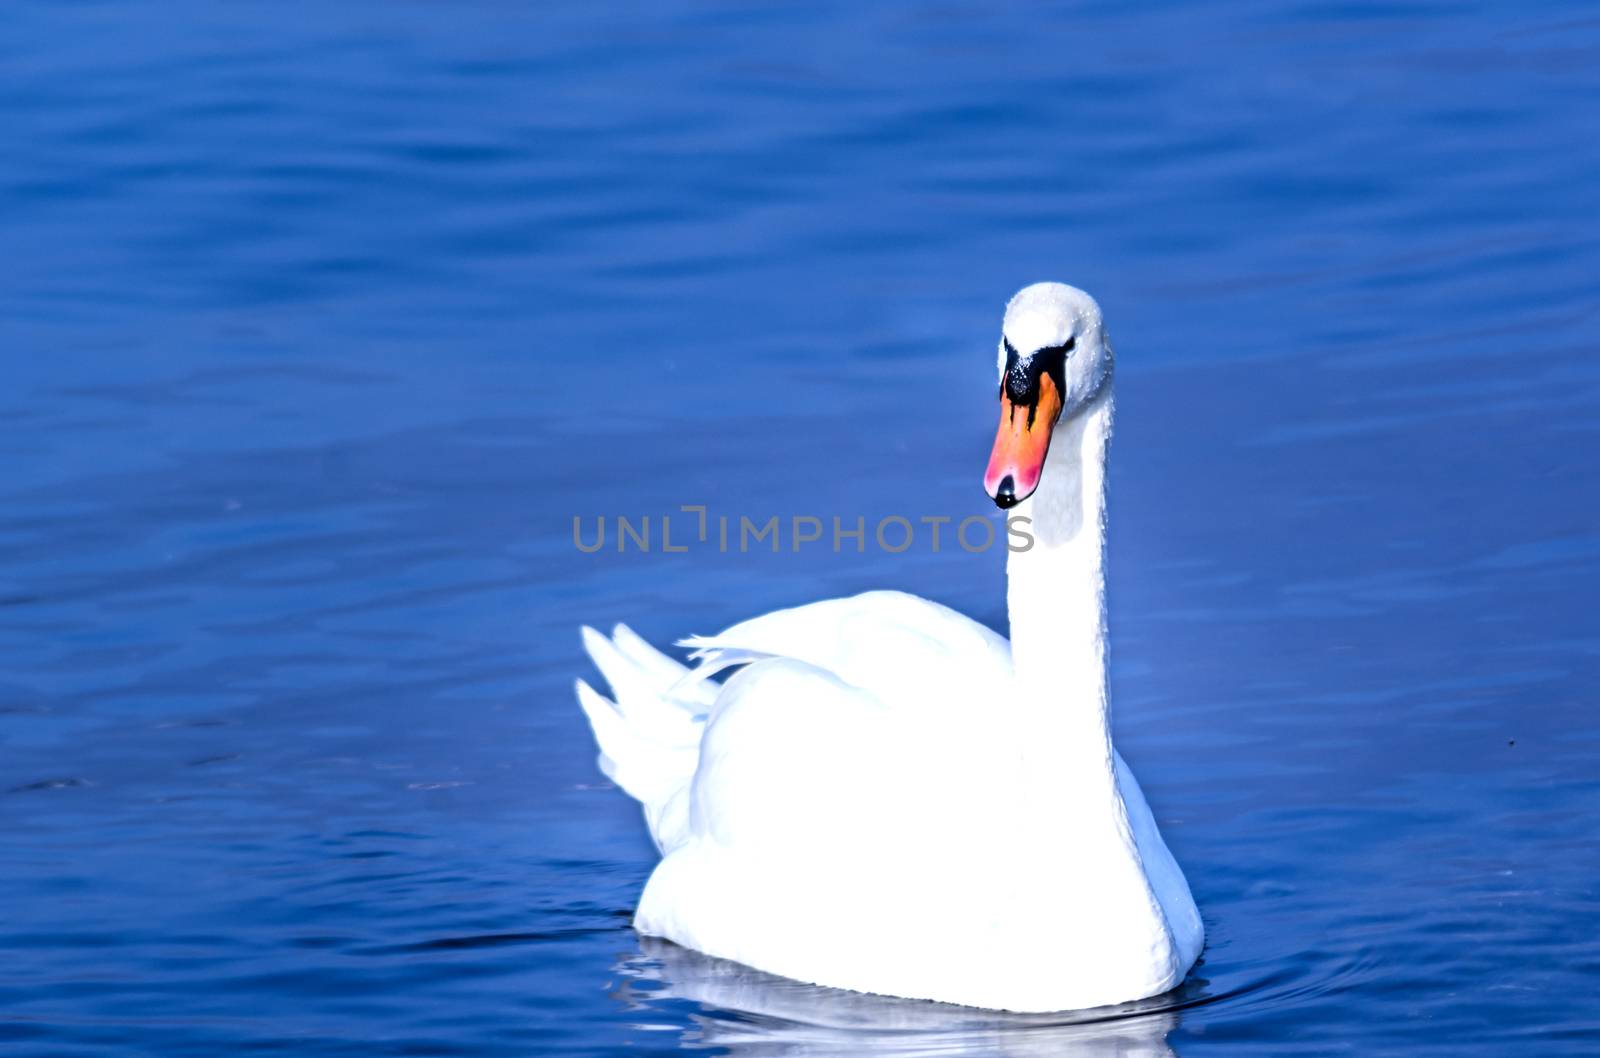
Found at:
[1005, 496]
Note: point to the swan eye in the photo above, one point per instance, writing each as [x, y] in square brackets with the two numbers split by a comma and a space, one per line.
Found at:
[1020, 381]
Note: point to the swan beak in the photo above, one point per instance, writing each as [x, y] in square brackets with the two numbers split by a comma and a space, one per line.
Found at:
[1021, 444]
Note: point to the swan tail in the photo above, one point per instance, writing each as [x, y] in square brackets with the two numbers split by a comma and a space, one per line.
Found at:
[649, 729]
[662, 670]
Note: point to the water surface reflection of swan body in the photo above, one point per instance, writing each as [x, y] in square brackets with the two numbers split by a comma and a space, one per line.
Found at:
[751, 1014]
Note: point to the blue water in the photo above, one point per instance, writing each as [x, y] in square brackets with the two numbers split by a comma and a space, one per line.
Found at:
[319, 325]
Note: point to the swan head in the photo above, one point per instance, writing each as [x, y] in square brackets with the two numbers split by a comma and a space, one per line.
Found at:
[1054, 359]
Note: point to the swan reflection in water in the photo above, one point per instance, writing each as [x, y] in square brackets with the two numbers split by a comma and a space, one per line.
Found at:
[751, 1014]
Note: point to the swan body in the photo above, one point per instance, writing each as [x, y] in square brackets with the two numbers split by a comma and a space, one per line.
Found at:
[888, 796]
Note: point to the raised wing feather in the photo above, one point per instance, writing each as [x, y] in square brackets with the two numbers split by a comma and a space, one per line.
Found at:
[894, 645]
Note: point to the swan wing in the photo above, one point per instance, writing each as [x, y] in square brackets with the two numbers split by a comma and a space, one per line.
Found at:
[898, 648]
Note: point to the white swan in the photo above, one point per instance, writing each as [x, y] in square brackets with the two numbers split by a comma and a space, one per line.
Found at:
[891, 798]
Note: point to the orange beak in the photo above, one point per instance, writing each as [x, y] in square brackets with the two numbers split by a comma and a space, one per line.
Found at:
[1021, 445]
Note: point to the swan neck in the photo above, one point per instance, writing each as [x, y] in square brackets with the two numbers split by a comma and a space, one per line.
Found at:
[1056, 588]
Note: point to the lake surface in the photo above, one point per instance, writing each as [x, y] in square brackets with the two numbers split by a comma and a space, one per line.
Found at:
[319, 327]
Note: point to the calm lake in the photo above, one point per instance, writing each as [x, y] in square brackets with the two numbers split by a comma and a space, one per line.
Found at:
[319, 326]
